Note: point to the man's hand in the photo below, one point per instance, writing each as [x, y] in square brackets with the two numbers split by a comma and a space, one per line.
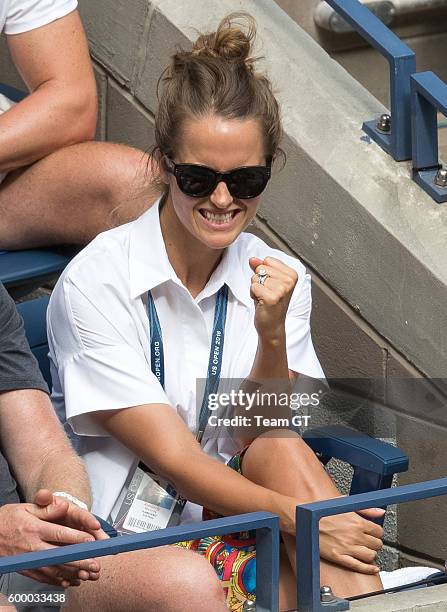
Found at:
[351, 541]
[70, 515]
[32, 527]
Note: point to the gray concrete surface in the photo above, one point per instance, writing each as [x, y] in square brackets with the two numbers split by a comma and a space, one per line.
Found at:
[101, 86]
[116, 32]
[433, 599]
[127, 121]
[367, 65]
[415, 26]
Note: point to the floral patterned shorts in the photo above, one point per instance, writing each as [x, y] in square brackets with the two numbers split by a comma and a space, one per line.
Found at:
[233, 556]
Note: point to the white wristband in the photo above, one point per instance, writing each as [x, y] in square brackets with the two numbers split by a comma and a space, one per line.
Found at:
[74, 500]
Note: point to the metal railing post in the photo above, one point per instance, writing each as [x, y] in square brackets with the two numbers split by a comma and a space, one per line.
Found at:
[429, 94]
[395, 138]
[308, 541]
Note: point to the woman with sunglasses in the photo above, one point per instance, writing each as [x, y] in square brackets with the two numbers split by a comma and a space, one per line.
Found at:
[150, 310]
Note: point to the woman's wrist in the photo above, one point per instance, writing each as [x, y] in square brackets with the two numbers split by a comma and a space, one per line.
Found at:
[271, 357]
[274, 340]
[272, 334]
[285, 507]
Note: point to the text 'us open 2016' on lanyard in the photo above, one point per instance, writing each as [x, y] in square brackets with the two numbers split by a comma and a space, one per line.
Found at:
[151, 502]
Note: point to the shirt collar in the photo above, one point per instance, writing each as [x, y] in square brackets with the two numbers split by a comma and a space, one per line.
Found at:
[149, 265]
[231, 271]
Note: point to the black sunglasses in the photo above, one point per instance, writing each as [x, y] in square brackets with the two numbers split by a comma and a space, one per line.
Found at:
[200, 181]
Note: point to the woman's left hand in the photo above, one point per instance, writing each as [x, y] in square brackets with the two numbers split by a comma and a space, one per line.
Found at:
[273, 297]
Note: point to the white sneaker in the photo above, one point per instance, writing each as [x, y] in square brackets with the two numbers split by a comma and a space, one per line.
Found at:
[405, 575]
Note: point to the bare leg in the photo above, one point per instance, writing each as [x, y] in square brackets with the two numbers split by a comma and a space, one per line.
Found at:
[5, 606]
[74, 194]
[167, 579]
[287, 465]
[287, 583]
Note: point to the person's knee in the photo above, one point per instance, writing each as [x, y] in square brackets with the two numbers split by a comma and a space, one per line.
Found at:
[5, 606]
[129, 182]
[121, 180]
[126, 166]
[197, 583]
[186, 582]
[274, 451]
[168, 578]
[112, 175]
[277, 444]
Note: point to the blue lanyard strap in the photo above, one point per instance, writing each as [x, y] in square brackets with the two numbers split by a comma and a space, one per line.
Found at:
[216, 351]
[157, 355]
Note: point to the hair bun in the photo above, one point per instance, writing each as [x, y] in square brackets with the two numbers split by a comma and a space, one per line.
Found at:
[229, 41]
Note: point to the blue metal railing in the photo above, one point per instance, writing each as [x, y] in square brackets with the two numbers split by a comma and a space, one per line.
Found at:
[16, 95]
[308, 545]
[429, 94]
[402, 62]
[267, 550]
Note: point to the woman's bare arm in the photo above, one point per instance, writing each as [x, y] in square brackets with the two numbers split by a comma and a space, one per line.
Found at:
[156, 434]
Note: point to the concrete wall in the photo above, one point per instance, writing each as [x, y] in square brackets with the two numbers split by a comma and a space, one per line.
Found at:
[375, 243]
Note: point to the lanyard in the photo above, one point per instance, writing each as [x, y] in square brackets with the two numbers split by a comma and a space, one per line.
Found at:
[216, 351]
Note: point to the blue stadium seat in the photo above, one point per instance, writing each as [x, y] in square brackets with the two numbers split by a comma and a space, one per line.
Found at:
[33, 314]
[374, 462]
[23, 271]
[12, 93]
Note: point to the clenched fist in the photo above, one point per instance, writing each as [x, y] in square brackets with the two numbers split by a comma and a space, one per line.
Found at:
[272, 298]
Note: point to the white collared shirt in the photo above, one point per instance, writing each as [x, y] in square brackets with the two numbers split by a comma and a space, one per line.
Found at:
[99, 339]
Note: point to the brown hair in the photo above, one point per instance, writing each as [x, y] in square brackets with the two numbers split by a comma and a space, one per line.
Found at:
[216, 77]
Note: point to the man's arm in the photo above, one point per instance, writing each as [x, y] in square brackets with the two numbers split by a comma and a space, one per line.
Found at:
[41, 457]
[37, 449]
[42, 461]
[54, 62]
